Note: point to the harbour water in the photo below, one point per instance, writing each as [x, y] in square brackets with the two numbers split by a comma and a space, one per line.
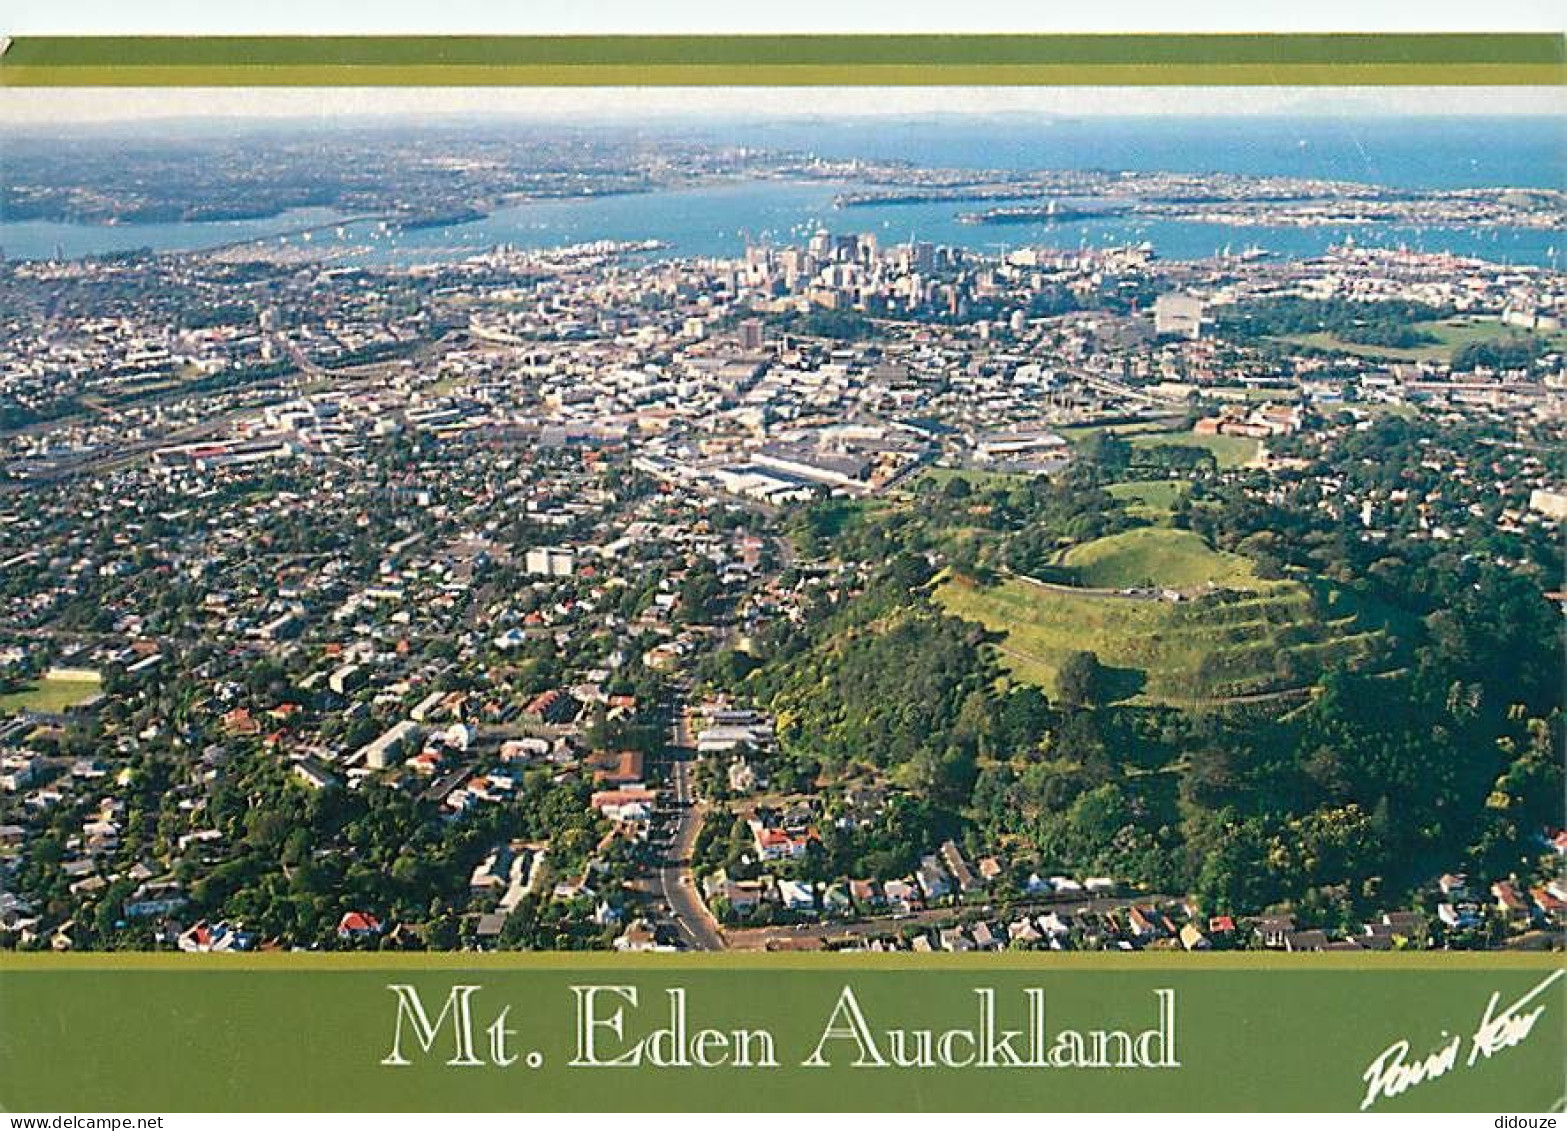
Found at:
[47, 239]
[722, 219]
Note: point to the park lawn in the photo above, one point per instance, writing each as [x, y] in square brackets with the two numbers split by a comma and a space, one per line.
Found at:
[1228, 451]
[1452, 334]
[50, 695]
[1152, 499]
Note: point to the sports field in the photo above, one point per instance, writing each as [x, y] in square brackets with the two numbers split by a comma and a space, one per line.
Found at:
[50, 695]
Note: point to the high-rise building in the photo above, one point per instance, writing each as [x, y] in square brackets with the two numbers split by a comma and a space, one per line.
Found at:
[1179, 315]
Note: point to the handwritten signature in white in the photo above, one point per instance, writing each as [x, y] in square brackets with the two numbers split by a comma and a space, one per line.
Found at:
[1393, 1073]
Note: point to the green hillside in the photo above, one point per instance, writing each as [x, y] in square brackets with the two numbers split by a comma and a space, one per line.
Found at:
[1250, 637]
[1150, 555]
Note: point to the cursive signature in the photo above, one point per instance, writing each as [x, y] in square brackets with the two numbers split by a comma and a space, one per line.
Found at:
[1393, 1073]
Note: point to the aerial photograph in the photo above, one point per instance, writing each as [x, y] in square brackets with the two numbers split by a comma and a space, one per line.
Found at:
[830, 520]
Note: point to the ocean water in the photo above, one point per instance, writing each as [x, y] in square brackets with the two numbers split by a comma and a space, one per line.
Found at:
[1428, 153]
[721, 220]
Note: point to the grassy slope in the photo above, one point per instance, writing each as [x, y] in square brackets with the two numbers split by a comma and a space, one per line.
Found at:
[1161, 652]
[1179, 559]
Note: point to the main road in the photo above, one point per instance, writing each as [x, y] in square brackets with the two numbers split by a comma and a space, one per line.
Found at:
[674, 882]
[698, 929]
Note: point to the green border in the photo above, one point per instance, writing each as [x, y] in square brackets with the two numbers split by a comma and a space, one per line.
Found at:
[1266, 1033]
[796, 60]
[1065, 962]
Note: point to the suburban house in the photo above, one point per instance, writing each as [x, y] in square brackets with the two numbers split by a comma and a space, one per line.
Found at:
[357, 925]
[1514, 906]
[932, 879]
[628, 804]
[780, 844]
[952, 858]
[554, 707]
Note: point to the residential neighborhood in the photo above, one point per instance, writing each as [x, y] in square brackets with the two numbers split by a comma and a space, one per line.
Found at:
[853, 591]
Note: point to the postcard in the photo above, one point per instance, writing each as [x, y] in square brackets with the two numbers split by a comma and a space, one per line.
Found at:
[819, 572]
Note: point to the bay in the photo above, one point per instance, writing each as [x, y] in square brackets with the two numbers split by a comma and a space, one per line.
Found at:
[720, 220]
[47, 239]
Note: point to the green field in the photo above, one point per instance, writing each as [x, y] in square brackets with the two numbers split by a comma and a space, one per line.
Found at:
[1228, 451]
[50, 696]
[1252, 395]
[1452, 334]
[941, 476]
[1151, 499]
[1262, 637]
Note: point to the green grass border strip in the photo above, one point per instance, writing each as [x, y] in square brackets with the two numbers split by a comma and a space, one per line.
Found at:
[790, 60]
